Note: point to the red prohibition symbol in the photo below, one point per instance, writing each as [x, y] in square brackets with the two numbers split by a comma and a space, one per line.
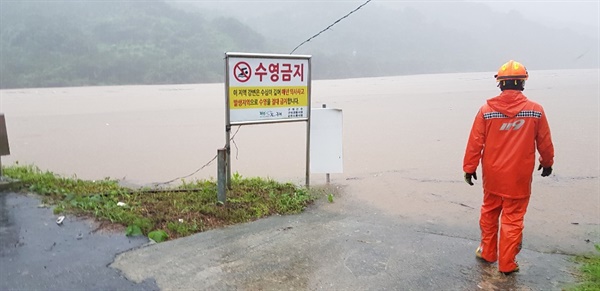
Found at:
[242, 72]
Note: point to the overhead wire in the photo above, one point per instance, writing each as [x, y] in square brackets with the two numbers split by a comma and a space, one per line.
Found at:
[238, 129]
[203, 166]
[330, 26]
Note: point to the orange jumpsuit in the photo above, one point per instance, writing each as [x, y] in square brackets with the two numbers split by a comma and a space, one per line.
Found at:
[505, 134]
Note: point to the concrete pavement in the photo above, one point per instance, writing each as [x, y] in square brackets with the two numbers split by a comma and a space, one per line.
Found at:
[337, 246]
[38, 254]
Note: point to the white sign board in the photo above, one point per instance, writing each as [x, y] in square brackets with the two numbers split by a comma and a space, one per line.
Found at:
[326, 140]
[264, 88]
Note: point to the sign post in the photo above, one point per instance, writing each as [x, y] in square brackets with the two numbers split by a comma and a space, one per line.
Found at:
[4, 148]
[267, 88]
[221, 164]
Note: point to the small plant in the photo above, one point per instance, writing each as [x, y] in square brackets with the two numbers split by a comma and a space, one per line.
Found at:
[133, 230]
[158, 235]
[330, 198]
[58, 209]
[236, 177]
[183, 228]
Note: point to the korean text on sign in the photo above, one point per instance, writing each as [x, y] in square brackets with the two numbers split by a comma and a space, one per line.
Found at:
[284, 71]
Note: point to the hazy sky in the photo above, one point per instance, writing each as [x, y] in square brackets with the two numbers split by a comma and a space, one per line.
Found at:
[582, 12]
[548, 11]
[572, 27]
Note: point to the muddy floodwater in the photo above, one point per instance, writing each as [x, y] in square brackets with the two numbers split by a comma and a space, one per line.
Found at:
[403, 144]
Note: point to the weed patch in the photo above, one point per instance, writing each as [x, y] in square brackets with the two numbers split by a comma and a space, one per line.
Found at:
[589, 271]
[167, 213]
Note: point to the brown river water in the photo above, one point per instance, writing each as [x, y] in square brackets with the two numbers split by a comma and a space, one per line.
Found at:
[403, 143]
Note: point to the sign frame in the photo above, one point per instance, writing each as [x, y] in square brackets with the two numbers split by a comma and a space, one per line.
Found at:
[295, 114]
[246, 58]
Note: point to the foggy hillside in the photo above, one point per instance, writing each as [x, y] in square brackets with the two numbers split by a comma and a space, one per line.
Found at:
[87, 42]
[395, 37]
[155, 42]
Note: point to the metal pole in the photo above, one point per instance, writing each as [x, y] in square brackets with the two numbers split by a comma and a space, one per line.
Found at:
[308, 127]
[308, 153]
[327, 178]
[228, 156]
[221, 179]
[4, 148]
[227, 123]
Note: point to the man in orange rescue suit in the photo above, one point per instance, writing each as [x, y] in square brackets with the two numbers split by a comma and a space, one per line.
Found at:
[505, 134]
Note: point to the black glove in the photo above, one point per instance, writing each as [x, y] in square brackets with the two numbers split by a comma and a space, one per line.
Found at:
[468, 177]
[546, 172]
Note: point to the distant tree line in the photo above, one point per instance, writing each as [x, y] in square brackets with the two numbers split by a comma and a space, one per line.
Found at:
[76, 43]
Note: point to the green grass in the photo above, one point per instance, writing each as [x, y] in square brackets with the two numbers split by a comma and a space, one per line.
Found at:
[589, 272]
[176, 212]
